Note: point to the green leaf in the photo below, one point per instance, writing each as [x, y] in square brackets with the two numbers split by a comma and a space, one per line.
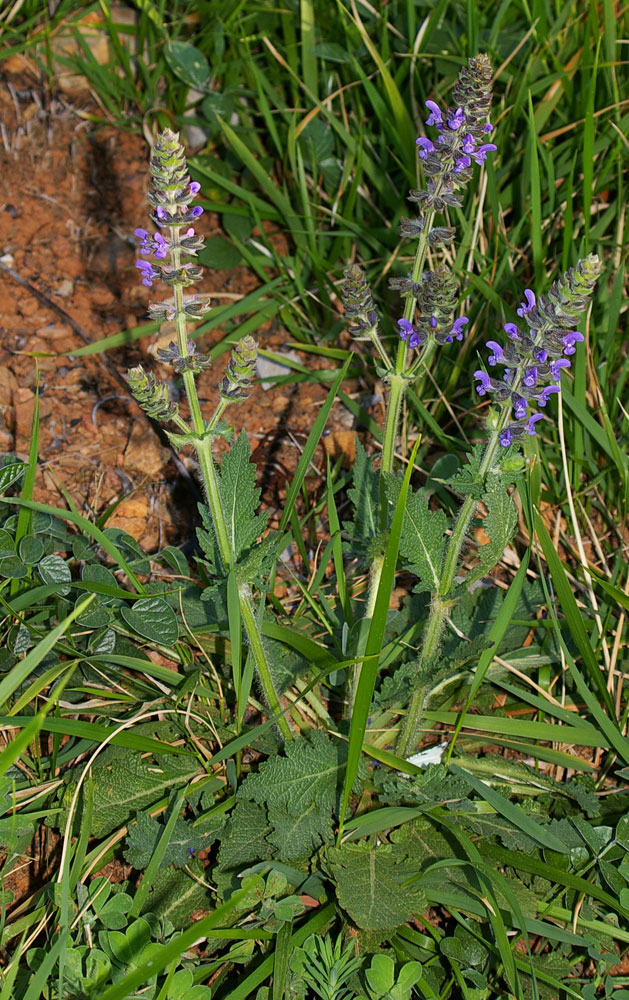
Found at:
[54, 569]
[220, 254]
[31, 549]
[154, 619]
[240, 499]
[517, 816]
[187, 62]
[500, 524]
[364, 528]
[372, 884]
[245, 840]
[297, 837]
[311, 773]
[185, 841]
[422, 541]
[125, 785]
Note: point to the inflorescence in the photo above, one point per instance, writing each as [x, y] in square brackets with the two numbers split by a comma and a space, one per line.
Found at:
[170, 250]
[447, 162]
[534, 359]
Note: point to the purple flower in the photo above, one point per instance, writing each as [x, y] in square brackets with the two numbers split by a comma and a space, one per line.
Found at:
[468, 145]
[488, 127]
[556, 366]
[457, 119]
[506, 437]
[160, 247]
[542, 399]
[530, 427]
[414, 340]
[148, 272]
[481, 153]
[457, 327]
[435, 117]
[406, 328]
[425, 146]
[160, 212]
[569, 340]
[530, 378]
[196, 212]
[484, 382]
[512, 330]
[433, 322]
[462, 164]
[497, 352]
[541, 356]
[520, 407]
[195, 187]
[525, 307]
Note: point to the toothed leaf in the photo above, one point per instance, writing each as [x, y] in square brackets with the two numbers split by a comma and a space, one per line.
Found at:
[422, 543]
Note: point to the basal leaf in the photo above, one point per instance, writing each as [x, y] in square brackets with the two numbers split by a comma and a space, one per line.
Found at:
[372, 885]
[175, 894]
[125, 785]
[245, 839]
[298, 837]
[311, 773]
[185, 841]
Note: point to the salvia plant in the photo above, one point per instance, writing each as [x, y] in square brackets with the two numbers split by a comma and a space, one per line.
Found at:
[314, 873]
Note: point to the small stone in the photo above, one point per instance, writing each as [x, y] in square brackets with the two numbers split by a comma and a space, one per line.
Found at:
[144, 453]
[266, 369]
[65, 288]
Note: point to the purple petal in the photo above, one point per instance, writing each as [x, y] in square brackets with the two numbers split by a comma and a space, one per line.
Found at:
[530, 427]
[195, 187]
[406, 328]
[435, 117]
[525, 307]
[457, 327]
[512, 330]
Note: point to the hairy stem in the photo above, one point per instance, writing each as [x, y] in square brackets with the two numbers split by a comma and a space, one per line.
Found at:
[257, 648]
[202, 442]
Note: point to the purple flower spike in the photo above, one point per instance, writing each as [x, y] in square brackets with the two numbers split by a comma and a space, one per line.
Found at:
[406, 328]
[556, 366]
[195, 187]
[506, 437]
[485, 382]
[542, 399]
[457, 327]
[525, 307]
[497, 352]
[530, 378]
[435, 117]
[530, 427]
[512, 330]
[457, 119]
[468, 145]
[424, 147]
[520, 407]
[570, 340]
[481, 153]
